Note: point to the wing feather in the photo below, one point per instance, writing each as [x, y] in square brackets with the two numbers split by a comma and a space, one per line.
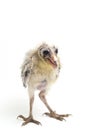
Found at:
[26, 69]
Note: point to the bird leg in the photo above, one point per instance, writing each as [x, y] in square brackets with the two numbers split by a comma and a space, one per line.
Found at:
[51, 113]
[30, 118]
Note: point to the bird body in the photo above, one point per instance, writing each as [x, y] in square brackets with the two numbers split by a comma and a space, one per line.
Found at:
[39, 71]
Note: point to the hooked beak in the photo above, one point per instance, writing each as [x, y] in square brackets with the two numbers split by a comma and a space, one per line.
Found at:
[52, 61]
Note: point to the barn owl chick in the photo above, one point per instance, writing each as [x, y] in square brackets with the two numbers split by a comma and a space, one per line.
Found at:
[40, 70]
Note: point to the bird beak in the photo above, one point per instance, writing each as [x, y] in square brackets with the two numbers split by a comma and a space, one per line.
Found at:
[52, 60]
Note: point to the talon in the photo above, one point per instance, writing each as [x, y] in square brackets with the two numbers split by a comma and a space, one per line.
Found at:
[28, 120]
[22, 117]
[65, 115]
[61, 118]
[32, 121]
[57, 116]
[46, 113]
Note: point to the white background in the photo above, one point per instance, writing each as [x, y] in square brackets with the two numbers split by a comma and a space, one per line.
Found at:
[24, 24]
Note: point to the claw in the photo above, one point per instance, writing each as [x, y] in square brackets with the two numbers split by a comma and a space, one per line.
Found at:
[60, 118]
[28, 120]
[22, 117]
[32, 121]
[56, 116]
[65, 115]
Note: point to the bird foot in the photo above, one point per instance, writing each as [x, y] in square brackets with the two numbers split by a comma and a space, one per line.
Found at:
[57, 116]
[28, 120]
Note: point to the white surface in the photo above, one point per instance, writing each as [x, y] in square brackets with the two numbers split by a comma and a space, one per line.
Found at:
[23, 24]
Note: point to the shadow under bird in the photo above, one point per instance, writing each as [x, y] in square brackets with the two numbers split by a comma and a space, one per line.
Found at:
[40, 70]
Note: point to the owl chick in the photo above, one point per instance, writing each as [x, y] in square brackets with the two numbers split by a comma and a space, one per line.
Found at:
[40, 70]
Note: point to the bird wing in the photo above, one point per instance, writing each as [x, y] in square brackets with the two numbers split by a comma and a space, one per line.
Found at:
[26, 69]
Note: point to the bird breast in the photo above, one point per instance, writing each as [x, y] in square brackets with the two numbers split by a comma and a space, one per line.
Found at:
[42, 76]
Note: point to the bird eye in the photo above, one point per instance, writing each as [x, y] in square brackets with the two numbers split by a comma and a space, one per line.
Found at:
[45, 52]
[56, 51]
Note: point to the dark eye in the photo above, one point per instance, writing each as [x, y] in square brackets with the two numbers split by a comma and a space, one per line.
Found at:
[56, 51]
[45, 52]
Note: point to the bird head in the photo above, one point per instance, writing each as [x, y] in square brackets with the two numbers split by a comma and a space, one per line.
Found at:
[48, 55]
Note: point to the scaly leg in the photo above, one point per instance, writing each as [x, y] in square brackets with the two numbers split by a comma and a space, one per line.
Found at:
[51, 113]
[30, 118]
